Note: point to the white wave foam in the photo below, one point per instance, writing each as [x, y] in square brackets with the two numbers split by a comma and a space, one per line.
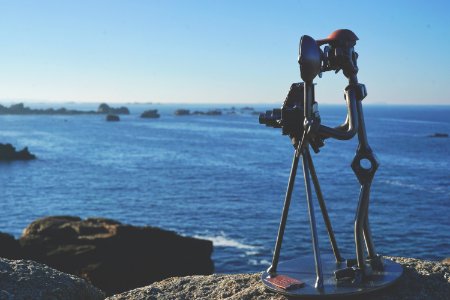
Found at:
[223, 241]
[402, 184]
[261, 262]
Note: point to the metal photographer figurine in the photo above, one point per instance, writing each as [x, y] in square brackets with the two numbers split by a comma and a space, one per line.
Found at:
[299, 118]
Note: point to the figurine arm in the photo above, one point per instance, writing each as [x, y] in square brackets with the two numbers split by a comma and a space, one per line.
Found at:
[347, 130]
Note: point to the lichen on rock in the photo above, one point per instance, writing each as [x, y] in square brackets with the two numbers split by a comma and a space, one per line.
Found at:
[421, 280]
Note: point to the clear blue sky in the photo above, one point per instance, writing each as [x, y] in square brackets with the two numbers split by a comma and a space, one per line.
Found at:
[216, 51]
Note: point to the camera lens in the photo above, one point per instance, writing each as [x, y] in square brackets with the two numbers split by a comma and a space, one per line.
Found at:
[271, 118]
[264, 116]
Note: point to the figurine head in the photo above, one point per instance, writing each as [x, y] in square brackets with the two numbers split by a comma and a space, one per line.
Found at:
[309, 58]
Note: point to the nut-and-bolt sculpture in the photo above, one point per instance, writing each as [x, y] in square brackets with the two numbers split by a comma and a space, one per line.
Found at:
[299, 118]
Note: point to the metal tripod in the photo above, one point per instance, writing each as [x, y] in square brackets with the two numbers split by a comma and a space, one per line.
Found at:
[308, 170]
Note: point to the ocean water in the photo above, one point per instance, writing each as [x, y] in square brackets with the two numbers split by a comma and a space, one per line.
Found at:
[223, 178]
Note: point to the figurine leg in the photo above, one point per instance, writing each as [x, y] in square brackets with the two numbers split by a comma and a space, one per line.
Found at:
[364, 165]
[312, 222]
[360, 219]
[323, 207]
[371, 253]
[287, 202]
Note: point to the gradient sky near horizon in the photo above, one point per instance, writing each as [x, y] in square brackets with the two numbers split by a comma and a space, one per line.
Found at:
[216, 51]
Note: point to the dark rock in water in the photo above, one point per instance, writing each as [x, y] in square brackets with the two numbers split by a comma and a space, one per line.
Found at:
[106, 109]
[112, 118]
[115, 257]
[103, 108]
[439, 135]
[182, 112]
[9, 247]
[197, 112]
[9, 153]
[186, 112]
[215, 112]
[22, 279]
[150, 114]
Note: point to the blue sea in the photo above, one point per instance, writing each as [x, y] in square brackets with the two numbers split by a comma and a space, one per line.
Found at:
[223, 178]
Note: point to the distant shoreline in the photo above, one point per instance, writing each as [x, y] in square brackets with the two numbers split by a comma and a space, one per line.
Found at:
[21, 109]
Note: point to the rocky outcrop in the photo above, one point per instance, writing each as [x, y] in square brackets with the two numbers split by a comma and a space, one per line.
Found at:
[106, 109]
[150, 114]
[9, 247]
[112, 118]
[114, 257]
[22, 279]
[421, 280]
[9, 153]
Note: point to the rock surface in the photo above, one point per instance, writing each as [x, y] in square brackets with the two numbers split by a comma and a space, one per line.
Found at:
[421, 280]
[22, 279]
[9, 153]
[114, 257]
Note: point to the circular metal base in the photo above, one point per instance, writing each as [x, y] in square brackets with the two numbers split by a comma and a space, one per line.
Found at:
[303, 269]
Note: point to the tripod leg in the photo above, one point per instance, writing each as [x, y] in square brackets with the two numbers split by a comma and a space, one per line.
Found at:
[287, 202]
[312, 222]
[323, 207]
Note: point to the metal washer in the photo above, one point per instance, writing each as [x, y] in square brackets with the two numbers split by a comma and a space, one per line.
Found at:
[303, 269]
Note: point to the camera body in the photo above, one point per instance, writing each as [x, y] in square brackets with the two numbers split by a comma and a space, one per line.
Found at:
[338, 54]
[290, 117]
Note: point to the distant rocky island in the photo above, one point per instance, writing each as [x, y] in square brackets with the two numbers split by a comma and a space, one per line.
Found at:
[8, 153]
[111, 113]
[187, 112]
[21, 109]
[106, 109]
[150, 114]
[217, 112]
